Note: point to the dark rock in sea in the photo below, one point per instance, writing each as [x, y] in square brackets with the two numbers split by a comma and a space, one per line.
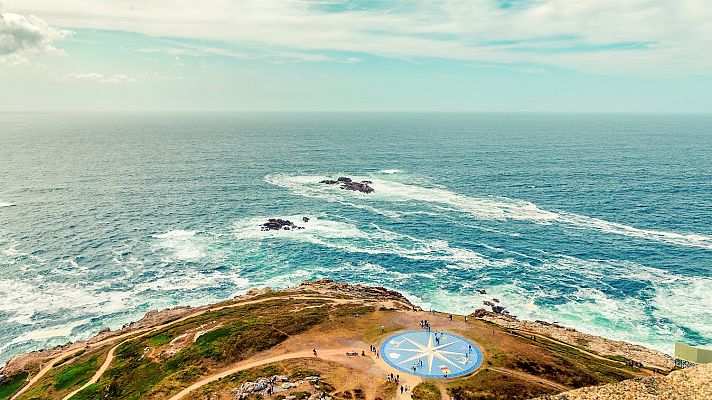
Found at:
[499, 310]
[488, 303]
[495, 300]
[481, 291]
[357, 187]
[367, 182]
[350, 184]
[275, 224]
[305, 219]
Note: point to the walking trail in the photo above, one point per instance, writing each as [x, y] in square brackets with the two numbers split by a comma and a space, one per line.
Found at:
[143, 332]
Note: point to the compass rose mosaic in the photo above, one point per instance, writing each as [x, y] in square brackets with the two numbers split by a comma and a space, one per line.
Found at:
[431, 355]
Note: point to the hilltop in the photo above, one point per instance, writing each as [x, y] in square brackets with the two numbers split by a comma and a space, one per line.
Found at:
[265, 338]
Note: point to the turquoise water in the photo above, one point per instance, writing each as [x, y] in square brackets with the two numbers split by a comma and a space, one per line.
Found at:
[600, 222]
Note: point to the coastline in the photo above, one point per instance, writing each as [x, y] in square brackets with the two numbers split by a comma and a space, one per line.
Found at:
[593, 345]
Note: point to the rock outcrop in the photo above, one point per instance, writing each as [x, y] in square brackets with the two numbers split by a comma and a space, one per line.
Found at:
[347, 183]
[359, 291]
[277, 224]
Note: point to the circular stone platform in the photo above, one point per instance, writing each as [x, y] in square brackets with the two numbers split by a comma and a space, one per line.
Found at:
[444, 355]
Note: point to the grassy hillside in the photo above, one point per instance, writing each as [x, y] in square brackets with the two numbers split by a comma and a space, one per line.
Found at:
[159, 362]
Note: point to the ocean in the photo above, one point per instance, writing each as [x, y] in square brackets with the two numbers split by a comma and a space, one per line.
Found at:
[601, 222]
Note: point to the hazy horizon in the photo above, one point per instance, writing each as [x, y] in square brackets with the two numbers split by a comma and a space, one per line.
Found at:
[394, 56]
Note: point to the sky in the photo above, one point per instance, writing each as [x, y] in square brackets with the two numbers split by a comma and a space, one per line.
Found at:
[377, 55]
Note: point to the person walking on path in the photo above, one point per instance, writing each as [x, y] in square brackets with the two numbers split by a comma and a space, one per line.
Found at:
[314, 351]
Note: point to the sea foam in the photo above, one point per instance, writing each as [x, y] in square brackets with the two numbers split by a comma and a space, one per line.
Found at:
[391, 192]
[372, 240]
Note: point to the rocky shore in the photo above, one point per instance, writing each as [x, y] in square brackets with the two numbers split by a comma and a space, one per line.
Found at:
[328, 288]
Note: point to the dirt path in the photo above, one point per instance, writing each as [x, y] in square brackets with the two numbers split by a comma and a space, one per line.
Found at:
[443, 391]
[531, 378]
[256, 363]
[405, 379]
[145, 331]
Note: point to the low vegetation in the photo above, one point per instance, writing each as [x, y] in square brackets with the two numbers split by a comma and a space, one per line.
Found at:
[9, 385]
[426, 391]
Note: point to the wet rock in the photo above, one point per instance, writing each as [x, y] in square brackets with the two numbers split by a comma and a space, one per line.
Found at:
[481, 291]
[275, 224]
[305, 219]
[488, 303]
[499, 310]
[347, 183]
[495, 300]
[479, 313]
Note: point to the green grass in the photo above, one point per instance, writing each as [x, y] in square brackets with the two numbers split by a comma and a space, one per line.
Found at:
[11, 384]
[159, 340]
[426, 391]
[246, 330]
[76, 374]
[492, 385]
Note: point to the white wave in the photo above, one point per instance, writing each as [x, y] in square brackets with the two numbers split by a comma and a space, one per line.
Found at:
[42, 335]
[681, 239]
[388, 191]
[686, 301]
[12, 252]
[347, 237]
[182, 245]
[6, 204]
[189, 280]
[390, 171]
[484, 208]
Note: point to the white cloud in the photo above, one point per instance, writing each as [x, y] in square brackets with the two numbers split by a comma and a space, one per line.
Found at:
[21, 36]
[97, 77]
[602, 36]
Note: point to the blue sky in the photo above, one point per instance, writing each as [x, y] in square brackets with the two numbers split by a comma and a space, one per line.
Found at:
[481, 55]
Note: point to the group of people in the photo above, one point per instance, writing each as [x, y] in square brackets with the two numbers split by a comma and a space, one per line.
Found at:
[374, 350]
[393, 378]
[438, 337]
[396, 379]
[417, 365]
[425, 324]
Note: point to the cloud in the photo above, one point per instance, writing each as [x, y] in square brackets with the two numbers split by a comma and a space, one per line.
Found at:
[602, 36]
[97, 77]
[22, 36]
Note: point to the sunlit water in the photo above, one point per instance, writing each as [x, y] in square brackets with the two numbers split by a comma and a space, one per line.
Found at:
[600, 222]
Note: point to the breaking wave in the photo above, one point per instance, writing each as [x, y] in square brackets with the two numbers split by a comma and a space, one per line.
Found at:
[388, 192]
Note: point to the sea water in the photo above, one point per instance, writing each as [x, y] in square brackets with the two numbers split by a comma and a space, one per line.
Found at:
[600, 222]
